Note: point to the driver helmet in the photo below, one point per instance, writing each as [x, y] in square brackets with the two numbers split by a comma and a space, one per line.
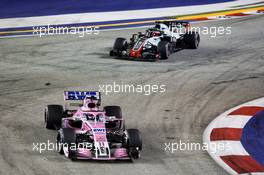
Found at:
[90, 103]
[163, 27]
[156, 33]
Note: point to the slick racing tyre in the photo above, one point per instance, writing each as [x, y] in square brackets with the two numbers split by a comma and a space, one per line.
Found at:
[192, 40]
[120, 44]
[113, 111]
[134, 139]
[66, 142]
[134, 143]
[164, 49]
[53, 116]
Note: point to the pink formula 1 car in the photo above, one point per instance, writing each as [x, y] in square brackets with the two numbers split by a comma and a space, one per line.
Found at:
[90, 133]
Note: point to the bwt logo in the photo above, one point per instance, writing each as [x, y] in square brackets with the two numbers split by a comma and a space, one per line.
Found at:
[78, 95]
[96, 130]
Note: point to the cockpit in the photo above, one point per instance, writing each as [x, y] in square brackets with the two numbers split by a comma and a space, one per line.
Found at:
[90, 103]
[94, 117]
[161, 27]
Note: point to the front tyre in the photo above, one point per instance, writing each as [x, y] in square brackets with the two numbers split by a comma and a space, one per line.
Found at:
[66, 142]
[134, 143]
[164, 49]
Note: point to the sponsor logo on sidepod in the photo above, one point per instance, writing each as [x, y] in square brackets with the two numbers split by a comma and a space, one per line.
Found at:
[99, 130]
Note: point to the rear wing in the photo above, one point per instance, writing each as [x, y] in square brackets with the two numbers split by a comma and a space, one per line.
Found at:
[173, 23]
[74, 99]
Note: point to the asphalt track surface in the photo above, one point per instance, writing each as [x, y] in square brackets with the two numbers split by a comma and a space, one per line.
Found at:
[226, 71]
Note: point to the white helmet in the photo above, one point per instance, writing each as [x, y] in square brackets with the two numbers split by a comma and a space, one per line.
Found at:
[164, 27]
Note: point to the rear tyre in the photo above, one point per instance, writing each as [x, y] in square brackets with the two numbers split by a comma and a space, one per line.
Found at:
[164, 49]
[192, 40]
[66, 141]
[53, 116]
[113, 111]
[120, 44]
